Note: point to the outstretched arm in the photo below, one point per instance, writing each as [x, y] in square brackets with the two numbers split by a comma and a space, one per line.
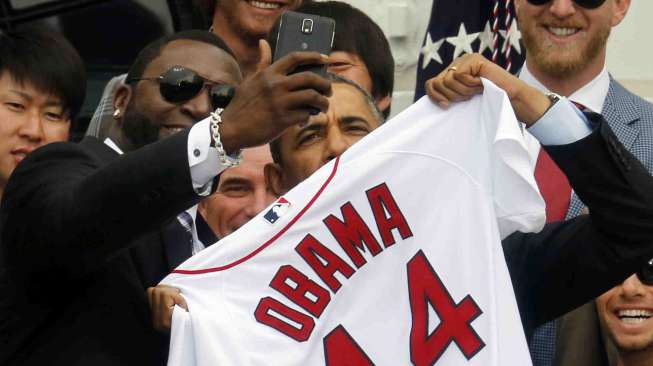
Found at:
[67, 211]
[567, 263]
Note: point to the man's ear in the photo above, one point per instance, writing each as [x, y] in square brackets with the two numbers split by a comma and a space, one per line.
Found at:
[619, 10]
[121, 99]
[384, 102]
[274, 178]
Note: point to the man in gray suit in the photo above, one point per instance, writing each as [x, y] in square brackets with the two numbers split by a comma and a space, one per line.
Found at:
[565, 45]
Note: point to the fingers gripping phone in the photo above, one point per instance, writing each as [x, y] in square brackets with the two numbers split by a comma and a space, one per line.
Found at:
[303, 32]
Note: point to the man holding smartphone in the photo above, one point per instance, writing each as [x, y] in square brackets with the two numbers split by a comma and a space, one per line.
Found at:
[88, 227]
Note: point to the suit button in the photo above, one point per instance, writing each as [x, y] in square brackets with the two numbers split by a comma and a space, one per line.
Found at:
[196, 152]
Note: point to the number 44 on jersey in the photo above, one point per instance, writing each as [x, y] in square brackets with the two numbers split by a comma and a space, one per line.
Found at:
[425, 290]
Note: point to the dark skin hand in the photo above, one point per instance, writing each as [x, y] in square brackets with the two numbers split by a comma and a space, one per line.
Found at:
[271, 100]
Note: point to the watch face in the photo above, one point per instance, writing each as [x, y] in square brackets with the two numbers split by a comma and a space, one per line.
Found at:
[553, 97]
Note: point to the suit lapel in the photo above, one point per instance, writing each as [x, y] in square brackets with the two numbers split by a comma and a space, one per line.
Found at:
[176, 243]
[622, 113]
[103, 152]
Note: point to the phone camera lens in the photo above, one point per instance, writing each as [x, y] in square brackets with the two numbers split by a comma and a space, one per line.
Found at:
[307, 26]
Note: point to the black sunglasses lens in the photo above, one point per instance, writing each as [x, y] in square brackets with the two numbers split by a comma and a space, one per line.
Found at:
[646, 273]
[221, 95]
[588, 4]
[179, 84]
[538, 2]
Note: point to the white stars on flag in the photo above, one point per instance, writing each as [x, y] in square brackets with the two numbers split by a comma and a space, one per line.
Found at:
[511, 36]
[462, 42]
[486, 37]
[431, 51]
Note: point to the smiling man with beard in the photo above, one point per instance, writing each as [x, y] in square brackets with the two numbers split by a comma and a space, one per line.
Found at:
[566, 43]
[89, 226]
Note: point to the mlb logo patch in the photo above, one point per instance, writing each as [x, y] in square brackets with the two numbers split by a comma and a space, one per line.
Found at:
[277, 210]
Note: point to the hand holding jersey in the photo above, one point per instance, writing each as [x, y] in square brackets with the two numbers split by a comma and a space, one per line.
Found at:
[162, 300]
[462, 80]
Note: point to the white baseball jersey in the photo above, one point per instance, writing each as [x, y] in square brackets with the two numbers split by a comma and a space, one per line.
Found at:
[388, 255]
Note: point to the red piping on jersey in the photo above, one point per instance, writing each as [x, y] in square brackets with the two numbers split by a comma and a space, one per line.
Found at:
[271, 240]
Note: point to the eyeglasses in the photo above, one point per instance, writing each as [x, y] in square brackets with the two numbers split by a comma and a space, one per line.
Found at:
[587, 4]
[180, 84]
[645, 274]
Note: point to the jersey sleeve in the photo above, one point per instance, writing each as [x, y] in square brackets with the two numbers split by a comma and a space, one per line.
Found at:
[517, 200]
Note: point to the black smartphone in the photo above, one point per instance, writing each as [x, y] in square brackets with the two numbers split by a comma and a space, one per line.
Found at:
[303, 32]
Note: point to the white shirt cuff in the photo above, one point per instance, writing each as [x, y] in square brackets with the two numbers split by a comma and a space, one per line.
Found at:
[562, 124]
[202, 158]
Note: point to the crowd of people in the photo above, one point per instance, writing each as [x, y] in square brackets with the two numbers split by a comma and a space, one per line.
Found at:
[89, 229]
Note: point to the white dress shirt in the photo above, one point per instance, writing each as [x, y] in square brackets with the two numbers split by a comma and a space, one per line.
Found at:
[592, 95]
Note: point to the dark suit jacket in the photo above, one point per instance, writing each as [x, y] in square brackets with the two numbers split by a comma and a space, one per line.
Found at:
[568, 263]
[87, 232]
[631, 119]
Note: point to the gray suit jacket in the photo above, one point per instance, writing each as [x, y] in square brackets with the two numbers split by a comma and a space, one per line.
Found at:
[579, 341]
[631, 119]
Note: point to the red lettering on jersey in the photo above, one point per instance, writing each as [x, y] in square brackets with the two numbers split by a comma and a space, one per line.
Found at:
[303, 286]
[381, 201]
[323, 261]
[340, 349]
[352, 234]
[264, 316]
[424, 288]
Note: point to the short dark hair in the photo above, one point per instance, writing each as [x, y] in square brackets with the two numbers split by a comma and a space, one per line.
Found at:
[275, 145]
[44, 58]
[153, 50]
[357, 33]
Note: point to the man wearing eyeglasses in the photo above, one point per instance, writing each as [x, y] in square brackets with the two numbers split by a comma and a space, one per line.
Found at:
[626, 314]
[89, 226]
[566, 43]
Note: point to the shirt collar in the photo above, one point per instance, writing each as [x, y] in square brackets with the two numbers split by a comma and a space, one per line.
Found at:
[113, 146]
[592, 95]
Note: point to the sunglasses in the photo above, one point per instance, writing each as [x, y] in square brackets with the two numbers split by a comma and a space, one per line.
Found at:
[180, 84]
[645, 274]
[587, 4]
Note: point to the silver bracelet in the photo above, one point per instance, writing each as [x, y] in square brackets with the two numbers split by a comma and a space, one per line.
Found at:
[227, 161]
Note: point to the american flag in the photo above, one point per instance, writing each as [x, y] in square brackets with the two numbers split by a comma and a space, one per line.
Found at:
[469, 26]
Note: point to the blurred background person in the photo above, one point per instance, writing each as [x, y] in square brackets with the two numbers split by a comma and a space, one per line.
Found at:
[372, 68]
[42, 88]
[241, 194]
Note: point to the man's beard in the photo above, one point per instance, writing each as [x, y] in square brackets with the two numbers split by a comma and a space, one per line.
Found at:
[561, 62]
[138, 128]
